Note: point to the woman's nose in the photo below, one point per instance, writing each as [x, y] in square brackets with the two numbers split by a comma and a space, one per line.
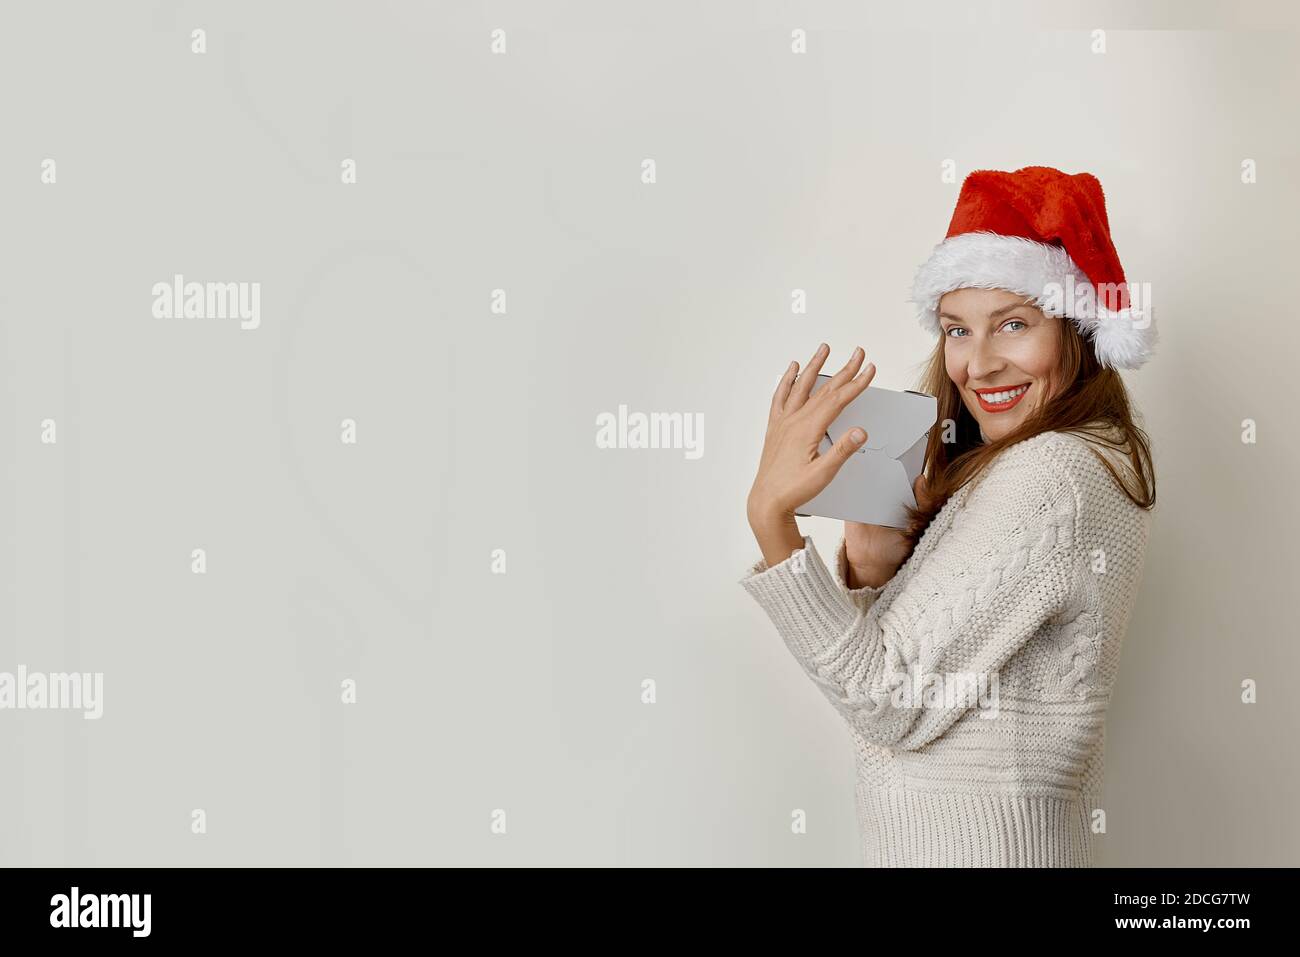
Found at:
[984, 361]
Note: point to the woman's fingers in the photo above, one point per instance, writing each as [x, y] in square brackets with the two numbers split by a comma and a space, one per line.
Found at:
[803, 385]
[783, 390]
[791, 472]
[848, 372]
[839, 398]
[839, 453]
[859, 384]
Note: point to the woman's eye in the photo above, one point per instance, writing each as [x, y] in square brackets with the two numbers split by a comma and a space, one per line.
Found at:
[952, 329]
[1020, 321]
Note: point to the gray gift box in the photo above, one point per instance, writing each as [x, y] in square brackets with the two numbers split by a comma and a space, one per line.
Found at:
[875, 484]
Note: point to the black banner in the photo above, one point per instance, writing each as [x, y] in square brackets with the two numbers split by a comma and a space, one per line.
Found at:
[369, 905]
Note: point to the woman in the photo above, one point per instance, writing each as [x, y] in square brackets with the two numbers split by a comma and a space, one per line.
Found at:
[973, 653]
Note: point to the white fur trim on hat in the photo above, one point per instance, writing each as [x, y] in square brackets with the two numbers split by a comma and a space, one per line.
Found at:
[1122, 339]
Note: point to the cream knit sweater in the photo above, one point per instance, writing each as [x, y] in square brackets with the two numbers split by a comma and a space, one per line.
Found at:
[975, 682]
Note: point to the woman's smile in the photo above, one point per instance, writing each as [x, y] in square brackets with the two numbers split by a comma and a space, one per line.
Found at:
[1008, 396]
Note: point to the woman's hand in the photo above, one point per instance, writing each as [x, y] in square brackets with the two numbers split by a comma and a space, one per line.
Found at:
[791, 472]
[875, 552]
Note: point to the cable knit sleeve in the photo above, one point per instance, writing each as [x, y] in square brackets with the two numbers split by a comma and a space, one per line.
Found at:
[1003, 567]
[863, 597]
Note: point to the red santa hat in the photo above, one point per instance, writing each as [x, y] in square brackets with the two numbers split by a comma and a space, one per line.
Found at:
[1042, 234]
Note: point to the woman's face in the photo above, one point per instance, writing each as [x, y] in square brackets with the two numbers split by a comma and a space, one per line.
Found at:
[1000, 353]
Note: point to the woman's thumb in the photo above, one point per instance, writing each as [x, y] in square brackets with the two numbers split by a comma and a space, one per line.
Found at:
[849, 444]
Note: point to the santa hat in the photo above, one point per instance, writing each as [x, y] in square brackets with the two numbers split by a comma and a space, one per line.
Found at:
[1042, 234]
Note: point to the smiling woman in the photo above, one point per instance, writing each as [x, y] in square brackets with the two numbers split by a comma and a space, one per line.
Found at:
[1021, 562]
[1000, 349]
[1004, 371]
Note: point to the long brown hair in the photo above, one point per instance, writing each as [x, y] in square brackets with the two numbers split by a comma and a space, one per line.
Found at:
[1090, 400]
